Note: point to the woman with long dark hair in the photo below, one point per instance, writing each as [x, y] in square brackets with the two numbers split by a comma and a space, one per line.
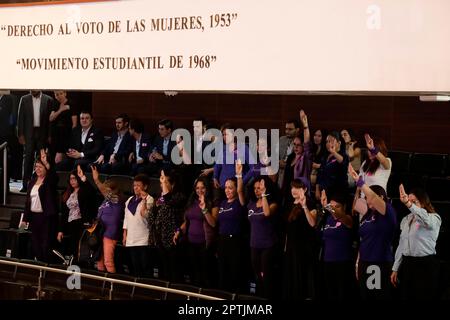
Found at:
[199, 225]
[416, 269]
[300, 246]
[78, 207]
[262, 209]
[376, 230]
[377, 168]
[164, 219]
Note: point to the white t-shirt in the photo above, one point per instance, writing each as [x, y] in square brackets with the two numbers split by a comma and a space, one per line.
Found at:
[136, 224]
[36, 205]
[379, 177]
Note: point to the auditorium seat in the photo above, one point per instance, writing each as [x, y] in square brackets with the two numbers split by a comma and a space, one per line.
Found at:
[154, 188]
[120, 291]
[15, 243]
[438, 189]
[184, 287]
[218, 293]
[94, 287]
[409, 181]
[7, 271]
[430, 164]
[63, 179]
[56, 283]
[401, 161]
[125, 183]
[150, 294]
[11, 291]
[443, 242]
[248, 297]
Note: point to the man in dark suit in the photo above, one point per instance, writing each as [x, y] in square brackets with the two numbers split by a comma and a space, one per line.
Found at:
[114, 158]
[33, 128]
[160, 157]
[86, 144]
[138, 157]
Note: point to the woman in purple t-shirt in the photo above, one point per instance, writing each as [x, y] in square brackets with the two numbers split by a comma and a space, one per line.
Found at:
[376, 230]
[233, 249]
[261, 211]
[337, 251]
[110, 213]
[199, 222]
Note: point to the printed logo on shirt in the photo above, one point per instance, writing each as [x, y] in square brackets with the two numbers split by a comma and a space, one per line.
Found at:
[327, 226]
[363, 222]
[221, 210]
[252, 212]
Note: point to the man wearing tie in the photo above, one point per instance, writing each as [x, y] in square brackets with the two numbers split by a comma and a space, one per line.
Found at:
[32, 129]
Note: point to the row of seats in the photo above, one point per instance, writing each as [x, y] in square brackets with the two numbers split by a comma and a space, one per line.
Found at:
[429, 164]
[18, 283]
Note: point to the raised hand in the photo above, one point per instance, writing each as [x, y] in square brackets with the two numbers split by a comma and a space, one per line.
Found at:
[94, 173]
[201, 199]
[80, 172]
[369, 141]
[403, 195]
[302, 197]
[44, 157]
[238, 167]
[323, 198]
[163, 177]
[262, 186]
[303, 118]
[352, 172]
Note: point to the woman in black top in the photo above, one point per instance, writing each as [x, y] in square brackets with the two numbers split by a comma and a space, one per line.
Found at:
[78, 207]
[164, 219]
[63, 118]
[41, 207]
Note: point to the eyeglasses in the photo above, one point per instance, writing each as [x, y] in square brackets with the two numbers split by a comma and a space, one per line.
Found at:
[297, 144]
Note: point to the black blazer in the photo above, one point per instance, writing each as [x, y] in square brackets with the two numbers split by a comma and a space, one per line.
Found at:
[92, 146]
[6, 116]
[125, 147]
[47, 194]
[25, 117]
[87, 201]
[145, 149]
[158, 143]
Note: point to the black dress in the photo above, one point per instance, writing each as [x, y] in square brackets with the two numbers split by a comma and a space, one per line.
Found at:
[61, 128]
[300, 257]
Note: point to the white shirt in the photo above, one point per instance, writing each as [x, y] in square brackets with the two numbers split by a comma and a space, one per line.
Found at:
[137, 225]
[36, 205]
[118, 142]
[166, 145]
[138, 147]
[379, 177]
[37, 110]
[84, 133]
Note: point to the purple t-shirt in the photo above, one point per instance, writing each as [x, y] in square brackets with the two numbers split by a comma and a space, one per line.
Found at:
[194, 217]
[376, 233]
[262, 233]
[337, 240]
[231, 215]
[110, 215]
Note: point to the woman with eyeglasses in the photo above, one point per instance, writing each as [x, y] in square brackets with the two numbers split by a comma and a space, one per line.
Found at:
[376, 231]
[299, 162]
[416, 268]
[78, 207]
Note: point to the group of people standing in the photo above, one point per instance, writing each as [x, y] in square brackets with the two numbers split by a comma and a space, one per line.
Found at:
[316, 229]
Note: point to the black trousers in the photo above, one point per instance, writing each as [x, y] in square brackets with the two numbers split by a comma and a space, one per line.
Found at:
[263, 263]
[43, 235]
[339, 280]
[232, 263]
[74, 230]
[169, 264]
[140, 261]
[375, 280]
[418, 278]
[200, 268]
